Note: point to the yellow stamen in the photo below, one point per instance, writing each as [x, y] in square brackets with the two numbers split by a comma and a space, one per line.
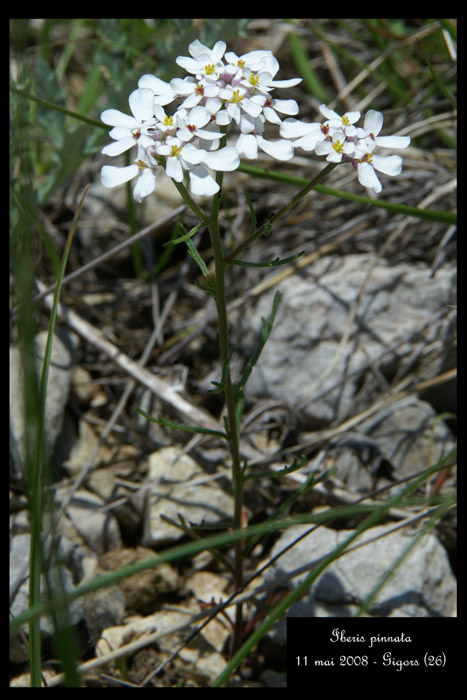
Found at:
[236, 97]
[338, 146]
[175, 151]
[209, 68]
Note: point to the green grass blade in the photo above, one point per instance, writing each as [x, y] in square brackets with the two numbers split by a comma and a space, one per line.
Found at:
[40, 457]
[427, 214]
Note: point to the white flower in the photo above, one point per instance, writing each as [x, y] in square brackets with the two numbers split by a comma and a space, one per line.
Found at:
[373, 125]
[336, 148]
[182, 156]
[254, 60]
[130, 131]
[179, 156]
[344, 123]
[368, 163]
[237, 100]
[263, 81]
[272, 106]
[204, 62]
[165, 122]
[194, 91]
[190, 124]
[144, 167]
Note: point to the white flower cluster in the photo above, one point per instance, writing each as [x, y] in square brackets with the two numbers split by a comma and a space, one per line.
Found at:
[221, 89]
[340, 141]
[224, 90]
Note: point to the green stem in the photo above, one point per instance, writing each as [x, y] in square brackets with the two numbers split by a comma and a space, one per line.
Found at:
[233, 428]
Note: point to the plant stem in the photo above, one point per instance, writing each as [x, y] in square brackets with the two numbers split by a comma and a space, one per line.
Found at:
[232, 424]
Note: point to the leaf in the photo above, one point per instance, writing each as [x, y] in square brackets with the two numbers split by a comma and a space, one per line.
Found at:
[273, 263]
[185, 236]
[181, 426]
[193, 252]
[266, 328]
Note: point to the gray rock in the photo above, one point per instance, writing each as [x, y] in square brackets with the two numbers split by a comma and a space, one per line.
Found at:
[398, 441]
[58, 387]
[400, 315]
[19, 594]
[179, 485]
[422, 586]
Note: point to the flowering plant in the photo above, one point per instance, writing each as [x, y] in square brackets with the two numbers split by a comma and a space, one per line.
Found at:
[225, 93]
[221, 111]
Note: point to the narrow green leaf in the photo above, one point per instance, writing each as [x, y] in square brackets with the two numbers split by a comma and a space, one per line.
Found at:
[181, 426]
[185, 236]
[272, 263]
[265, 332]
[193, 252]
[296, 464]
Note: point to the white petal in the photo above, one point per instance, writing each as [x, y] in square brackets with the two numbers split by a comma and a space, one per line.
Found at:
[192, 100]
[352, 116]
[286, 106]
[182, 87]
[251, 108]
[329, 113]
[294, 128]
[286, 83]
[120, 132]
[213, 105]
[196, 48]
[189, 64]
[218, 51]
[114, 117]
[389, 165]
[208, 135]
[334, 157]
[193, 155]
[367, 177]
[393, 141]
[112, 176]
[309, 141]
[142, 103]
[223, 118]
[158, 86]
[322, 148]
[174, 169]
[373, 122]
[199, 116]
[114, 149]
[247, 146]
[145, 185]
[226, 159]
[281, 150]
[165, 99]
[201, 182]
[271, 116]
[268, 63]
